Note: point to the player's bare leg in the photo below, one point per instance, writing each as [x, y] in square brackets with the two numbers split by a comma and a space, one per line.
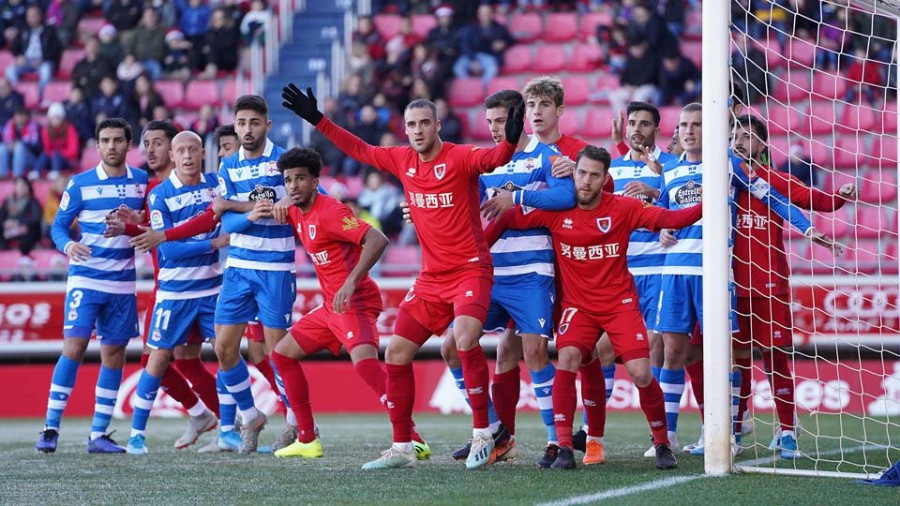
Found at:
[289, 434]
[237, 380]
[653, 406]
[204, 414]
[467, 332]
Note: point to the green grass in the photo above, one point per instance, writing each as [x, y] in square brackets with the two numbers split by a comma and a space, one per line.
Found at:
[167, 476]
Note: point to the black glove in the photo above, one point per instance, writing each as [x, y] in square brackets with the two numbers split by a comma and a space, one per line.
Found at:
[302, 105]
[515, 124]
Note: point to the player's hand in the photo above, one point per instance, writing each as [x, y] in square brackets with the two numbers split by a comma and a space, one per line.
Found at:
[148, 240]
[836, 248]
[341, 300]
[129, 215]
[618, 122]
[302, 105]
[636, 188]
[78, 252]
[280, 210]
[515, 124]
[262, 210]
[562, 166]
[404, 210]
[497, 205]
[114, 226]
[848, 192]
[646, 155]
[220, 241]
[667, 238]
[219, 206]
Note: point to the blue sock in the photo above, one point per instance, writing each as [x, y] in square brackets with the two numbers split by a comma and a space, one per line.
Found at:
[280, 383]
[735, 402]
[655, 370]
[106, 392]
[542, 382]
[61, 386]
[672, 384]
[461, 385]
[237, 381]
[147, 388]
[609, 374]
[227, 406]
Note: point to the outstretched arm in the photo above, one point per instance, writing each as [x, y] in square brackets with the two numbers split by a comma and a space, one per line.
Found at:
[804, 196]
[761, 190]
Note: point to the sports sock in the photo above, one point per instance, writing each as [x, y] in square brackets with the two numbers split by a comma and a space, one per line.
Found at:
[542, 382]
[609, 377]
[475, 373]
[401, 392]
[373, 375]
[265, 368]
[297, 389]
[695, 371]
[505, 395]
[744, 365]
[593, 396]
[61, 385]
[672, 383]
[655, 371]
[237, 381]
[735, 377]
[202, 381]
[147, 388]
[227, 406]
[279, 382]
[654, 407]
[776, 362]
[174, 384]
[107, 389]
[461, 386]
[564, 401]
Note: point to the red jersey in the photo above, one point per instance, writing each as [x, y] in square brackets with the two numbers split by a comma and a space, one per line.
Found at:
[332, 237]
[570, 146]
[591, 246]
[760, 264]
[442, 194]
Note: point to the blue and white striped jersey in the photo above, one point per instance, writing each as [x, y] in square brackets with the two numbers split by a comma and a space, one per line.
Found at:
[528, 175]
[263, 245]
[188, 269]
[682, 182]
[645, 254]
[90, 197]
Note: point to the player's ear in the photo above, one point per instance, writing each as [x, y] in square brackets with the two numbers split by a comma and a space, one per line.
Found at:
[268, 125]
[438, 123]
[560, 110]
[171, 156]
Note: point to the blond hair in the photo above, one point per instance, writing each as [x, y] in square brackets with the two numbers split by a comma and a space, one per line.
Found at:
[545, 86]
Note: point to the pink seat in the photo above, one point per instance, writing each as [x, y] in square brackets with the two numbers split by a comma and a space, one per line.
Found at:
[850, 152]
[890, 263]
[779, 149]
[782, 119]
[885, 151]
[401, 261]
[886, 121]
[90, 158]
[549, 58]
[423, 23]
[871, 222]
[29, 91]
[879, 186]
[692, 50]
[172, 92]
[604, 86]
[561, 27]
[857, 118]
[774, 57]
[480, 131]
[9, 263]
[585, 58]
[822, 120]
[466, 92]
[90, 25]
[134, 157]
[517, 59]
[801, 52]
[828, 86]
[668, 119]
[6, 189]
[578, 90]
[570, 123]
[503, 83]
[200, 93]
[693, 25]
[354, 185]
[590, 22]
[387, 25]
[49, 260]
[526, 27]
[6, 59]
[822, 261]
[794, 86]
[821, 153]
[229, 92]
[70, 58]
[598, 123]
[835, 224]
[863, 258]
[41, 188]
[57, 91]
[838, 178]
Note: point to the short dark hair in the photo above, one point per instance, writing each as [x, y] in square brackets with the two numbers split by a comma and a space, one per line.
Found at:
[595, 153]
[301, 157]
[504, 99]
[113, 123]
[643, 106]
[421, 103]
[166, 126]
[225, 131]
[253, 103]
[757, 125]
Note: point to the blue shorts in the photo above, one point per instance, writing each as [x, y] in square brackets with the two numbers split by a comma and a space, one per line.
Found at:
[529, 304]
[681, 304]
[648, 287]
[113, 315]
[247, 293]
[173, 319]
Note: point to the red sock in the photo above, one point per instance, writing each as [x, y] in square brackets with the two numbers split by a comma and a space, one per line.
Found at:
[695, 371]
[264, 367]
[776, 361]
[655, 410]
[505, 393]
[744, 364]
[174, 384]
[373, 375]
[593, 396]
[477, 378]
[564, 401]
[401, 392]
[297, 390]
[202, 381]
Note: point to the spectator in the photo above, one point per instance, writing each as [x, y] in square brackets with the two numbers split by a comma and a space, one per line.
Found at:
[60, 142]
[331, 155]
[220, 49]
[109, 103]
[369, 130]
[110, 48]
[679, 80]
[424, 65]
[10, 101]
[646, 26]
[194, 21]
[12, 15]
[362, 213]
[834, 40]
[443, 41]
[483, 42]
[91, 69]
[78, 114]
[124, 15]
[37, 49]
[352, 98]
[404, 40]
[51, 204]
[379, 102]
[772, 13]
[64, 15]
[21, 143]
[748, 64]
[233, 10]
[148, 43]
[206, 123]
[144, 100]
[419, 90]
[366, 34]
[863, 75]
[256, 22]
[673, 13]
[128, 71]
[21, 218]
[179, 56]
[638, 79]
[381, 198]
[360, 62]
[162, 113]
[799, 165]
[451, 126]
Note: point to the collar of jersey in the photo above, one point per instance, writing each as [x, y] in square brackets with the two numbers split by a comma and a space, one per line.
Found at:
[177, 182]
[103, 176]
[266, 152]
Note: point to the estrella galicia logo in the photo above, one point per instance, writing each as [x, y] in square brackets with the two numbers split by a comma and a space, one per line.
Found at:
[689, 194]
[262, 193]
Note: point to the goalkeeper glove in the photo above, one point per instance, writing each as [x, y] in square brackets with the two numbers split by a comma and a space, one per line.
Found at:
[302, 105]
[515, 124]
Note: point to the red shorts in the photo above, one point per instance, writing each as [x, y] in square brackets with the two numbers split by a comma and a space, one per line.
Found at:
[434, 301]
[255, 332]
[764, 322]
[194, 334]
[322, 328]
[697, 336]
[626, 330]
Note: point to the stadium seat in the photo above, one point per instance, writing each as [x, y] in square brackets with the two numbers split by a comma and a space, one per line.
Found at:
[49, 260]
[837, 179]
[862, 258]
[693, 25]
[172, 92]
[578, 90]
[201, 92]
[590, 22]
[89, 159]
[423, 23]
[56, 91]
[6, 189]
[41, 188]
[401, 261]
[884, 150]
[466, 92]
[570, 123]
[598, 122]
[134, 157]
[585, 58]
[668, 120]
[871, 221]
[835, 224]
[229, 92]
[9, 263]
[70, 58]
[792, 86]
[828, 86]
[387, 25]
[526, 27]
[879, 186]
[886, 120]
[857, 118]
[480, 131]
[782, 119]
[775, 59]
[822, 261]
[90, 26]
[890, 263]
[801, 52]
[517, 59]
[603, 87]
[549, 59]
[503, 83]
[822, 120]
[354, 185]
[855, 147]
[692, 50]
[779, 150]
[29, 91]
[561, 27]
[6, 59]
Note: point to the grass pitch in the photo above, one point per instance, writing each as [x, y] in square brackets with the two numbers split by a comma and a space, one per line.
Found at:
[167, 476]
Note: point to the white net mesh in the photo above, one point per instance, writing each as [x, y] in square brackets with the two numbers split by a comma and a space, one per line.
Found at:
[823, 76]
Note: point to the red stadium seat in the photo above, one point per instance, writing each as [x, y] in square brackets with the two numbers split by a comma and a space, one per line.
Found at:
[526, 27]
[871, 221]
[828, 86]
[598, 123]
[172, 92]
[668, 119]
[134, 157]
[590, 22]
[879, 186]
[692, 50]
[822, 261]
[41, 188]
[801, 52]
[822, 120]
[796, 253]
[6, 189]
[835, 224]
[857, 118]
[779, 150]
[6, 59]
[578, 90]
[822, 153]
[890, 263]
[229, 92]
[401, 261]
[9, 263]
[886, 120]
[503, 83]
[885, 152]
[90, 26]
[863, 258]
[849, 152]
[90, 158]
[792, 86]
[782, 119]
[46, 260]
[70, 58]
[561, 27]
[29, 91]
[775, 59]
[549, 59]
[200, 93]
[354, 185]
[466, 92]
[480, 131]
[570, 123]
[423, 23]
[57, 91]
[585, 58]
[837, 179]
[387, 25]
[517, 59]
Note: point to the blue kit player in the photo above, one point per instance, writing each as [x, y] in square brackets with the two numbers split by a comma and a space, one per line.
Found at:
[100, 291]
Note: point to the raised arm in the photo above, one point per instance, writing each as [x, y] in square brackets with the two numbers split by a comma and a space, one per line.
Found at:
[486, 160]
[656, 218]
[804, 196]
[761, 190]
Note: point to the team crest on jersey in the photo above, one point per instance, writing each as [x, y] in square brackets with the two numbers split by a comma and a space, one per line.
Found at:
[312, 231]
[563, 328]
[604, 224]
[439, 170]
[530, 163]
[262, 193]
